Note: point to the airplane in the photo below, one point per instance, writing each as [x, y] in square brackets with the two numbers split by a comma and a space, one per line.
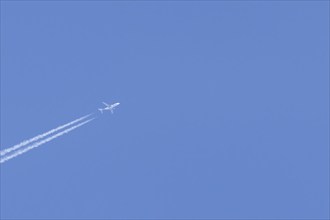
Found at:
[109, 107]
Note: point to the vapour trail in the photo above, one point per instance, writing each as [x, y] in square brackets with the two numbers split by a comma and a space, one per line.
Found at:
[39, 143]
[38, 137]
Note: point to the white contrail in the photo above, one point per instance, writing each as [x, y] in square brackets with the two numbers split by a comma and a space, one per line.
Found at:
[28, 148]
[26, 142]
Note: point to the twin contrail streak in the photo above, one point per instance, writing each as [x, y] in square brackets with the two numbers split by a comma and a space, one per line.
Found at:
[37, 144]
[38, 137]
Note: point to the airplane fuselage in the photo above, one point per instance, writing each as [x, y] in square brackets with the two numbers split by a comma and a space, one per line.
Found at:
[112, 106]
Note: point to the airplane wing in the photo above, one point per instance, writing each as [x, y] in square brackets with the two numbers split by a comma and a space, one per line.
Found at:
[105, 104]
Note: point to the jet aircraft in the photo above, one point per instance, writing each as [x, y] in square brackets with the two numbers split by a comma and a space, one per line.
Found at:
[109, 107]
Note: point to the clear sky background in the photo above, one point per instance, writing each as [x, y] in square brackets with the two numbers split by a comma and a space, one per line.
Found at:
[224, 109]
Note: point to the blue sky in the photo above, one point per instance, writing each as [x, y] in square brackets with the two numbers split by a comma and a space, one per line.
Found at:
[224, 109]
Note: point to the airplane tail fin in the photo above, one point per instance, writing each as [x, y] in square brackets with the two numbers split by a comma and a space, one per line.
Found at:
[101, 110]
